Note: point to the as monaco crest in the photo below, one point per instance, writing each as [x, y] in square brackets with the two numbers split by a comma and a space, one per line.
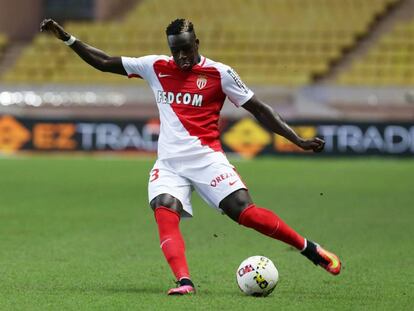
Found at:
[201, 82]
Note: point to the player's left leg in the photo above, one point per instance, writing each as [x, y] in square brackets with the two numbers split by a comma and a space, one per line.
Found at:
[219, 184]
[240, 207]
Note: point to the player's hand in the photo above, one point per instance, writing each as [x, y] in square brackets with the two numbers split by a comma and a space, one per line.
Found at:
[316, 144]
[49, 25]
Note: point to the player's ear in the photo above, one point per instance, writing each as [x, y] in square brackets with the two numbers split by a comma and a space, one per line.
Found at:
[197, 42]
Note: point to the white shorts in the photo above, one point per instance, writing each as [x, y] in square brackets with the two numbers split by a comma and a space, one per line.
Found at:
[211, 175]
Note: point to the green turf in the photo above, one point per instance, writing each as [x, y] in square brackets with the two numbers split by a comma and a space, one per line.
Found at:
[76, 234]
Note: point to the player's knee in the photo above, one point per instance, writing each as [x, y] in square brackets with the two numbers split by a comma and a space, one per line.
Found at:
[234, 204]
[168, 201]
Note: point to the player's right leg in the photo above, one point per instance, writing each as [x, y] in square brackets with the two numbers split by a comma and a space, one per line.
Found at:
[169, 199]
[167, 211]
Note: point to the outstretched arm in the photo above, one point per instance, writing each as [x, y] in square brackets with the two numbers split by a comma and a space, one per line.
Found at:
[272, 121]
[94, 57]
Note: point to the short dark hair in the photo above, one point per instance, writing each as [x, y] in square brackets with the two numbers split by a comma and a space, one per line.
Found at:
[178, 26]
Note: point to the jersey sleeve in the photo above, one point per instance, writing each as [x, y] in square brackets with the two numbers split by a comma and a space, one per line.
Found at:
[139, 67]
[234, 88]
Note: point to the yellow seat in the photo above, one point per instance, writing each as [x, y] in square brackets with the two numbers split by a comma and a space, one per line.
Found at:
[295, 38]
[389, 60]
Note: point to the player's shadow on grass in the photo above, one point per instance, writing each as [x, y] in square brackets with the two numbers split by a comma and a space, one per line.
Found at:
[162, 291]
[148, 290]
[132, 290]
[118, 290]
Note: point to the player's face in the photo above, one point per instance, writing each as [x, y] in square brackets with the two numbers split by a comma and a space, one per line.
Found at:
[184, 49]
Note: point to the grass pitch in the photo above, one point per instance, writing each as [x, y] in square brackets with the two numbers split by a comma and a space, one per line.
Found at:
[77, 234]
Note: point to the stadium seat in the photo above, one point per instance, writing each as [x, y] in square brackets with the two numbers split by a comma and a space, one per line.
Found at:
[285, 42]
[3, 43]
[389, 62]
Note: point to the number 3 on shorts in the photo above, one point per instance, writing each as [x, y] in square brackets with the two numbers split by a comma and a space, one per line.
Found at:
[154, 174]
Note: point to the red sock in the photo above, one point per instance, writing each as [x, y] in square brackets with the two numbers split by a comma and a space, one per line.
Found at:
[267, 222]
[171, 241]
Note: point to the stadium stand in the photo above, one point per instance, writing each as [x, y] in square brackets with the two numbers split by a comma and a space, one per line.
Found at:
[284, 42]
[389, 62]
[3, 43]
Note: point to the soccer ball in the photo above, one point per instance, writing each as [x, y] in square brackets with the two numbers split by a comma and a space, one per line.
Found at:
[257, 276]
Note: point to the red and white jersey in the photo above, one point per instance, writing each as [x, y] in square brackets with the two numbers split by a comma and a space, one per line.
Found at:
[189, 103]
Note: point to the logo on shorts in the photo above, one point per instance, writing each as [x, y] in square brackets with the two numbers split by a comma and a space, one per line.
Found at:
[221, 178]
[201, 82]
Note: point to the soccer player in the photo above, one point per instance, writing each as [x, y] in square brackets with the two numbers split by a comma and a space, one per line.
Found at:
[190, 90]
